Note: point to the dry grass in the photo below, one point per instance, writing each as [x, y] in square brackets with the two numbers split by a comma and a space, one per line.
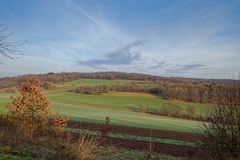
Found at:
[46, 145]
[85, 147]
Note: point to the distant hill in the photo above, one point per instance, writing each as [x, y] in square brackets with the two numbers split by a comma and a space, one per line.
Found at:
[69, 76]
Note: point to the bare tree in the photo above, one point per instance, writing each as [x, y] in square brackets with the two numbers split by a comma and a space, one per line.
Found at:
[8, 48]
[222, 131]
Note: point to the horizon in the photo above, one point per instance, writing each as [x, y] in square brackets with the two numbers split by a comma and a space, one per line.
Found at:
[233, 78]
[190, 39]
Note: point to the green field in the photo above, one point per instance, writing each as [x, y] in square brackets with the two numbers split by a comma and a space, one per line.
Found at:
[90, 82]
[122, 108]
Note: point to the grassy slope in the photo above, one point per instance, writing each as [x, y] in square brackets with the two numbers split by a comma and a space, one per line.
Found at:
[120, 107]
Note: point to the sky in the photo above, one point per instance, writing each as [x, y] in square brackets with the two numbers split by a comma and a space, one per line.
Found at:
[180, 38]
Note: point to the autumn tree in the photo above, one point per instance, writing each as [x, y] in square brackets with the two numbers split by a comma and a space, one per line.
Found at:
[30, 110]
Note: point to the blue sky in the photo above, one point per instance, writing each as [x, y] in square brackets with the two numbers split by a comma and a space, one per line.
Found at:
[187, 38]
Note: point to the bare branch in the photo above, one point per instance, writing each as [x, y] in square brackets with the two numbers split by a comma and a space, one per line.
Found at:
[222, 131]
[8, 49]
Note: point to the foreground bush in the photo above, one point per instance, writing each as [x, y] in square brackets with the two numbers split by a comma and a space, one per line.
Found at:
[58, 124]
[30, 111]
[222, 131]
[85, 147]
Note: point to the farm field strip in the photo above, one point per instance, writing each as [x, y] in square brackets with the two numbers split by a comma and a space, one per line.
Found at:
[122, 117]
[153, 139]
[134, 137]
[137, 131]
[172, 147]
[164, 148]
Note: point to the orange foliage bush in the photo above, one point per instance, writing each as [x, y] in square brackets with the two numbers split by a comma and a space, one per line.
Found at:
[30, 110]
[59, 123]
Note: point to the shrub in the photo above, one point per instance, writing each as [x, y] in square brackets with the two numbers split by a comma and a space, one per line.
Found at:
[105, 129]
[170, 109]
[222, 131]
[30, 111]
[191, 111]
[48, 146]
[8, 132]
[143, 109]
[85, 147]
[93, 90]
[58, 124]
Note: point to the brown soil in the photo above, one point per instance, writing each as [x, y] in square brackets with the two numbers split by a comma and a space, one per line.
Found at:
[140, 131]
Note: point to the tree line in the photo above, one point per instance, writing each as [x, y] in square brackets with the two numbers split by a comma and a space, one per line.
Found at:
[197, 93]
[6, 82]
[185, 89]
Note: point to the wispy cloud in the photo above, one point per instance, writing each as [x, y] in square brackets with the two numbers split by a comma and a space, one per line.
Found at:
[193, 66]
[77, 7]
[126, 55]
[187, 68]
[159, 65]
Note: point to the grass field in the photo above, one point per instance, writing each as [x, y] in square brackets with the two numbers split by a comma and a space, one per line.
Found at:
[90, 82]
[120, 107]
